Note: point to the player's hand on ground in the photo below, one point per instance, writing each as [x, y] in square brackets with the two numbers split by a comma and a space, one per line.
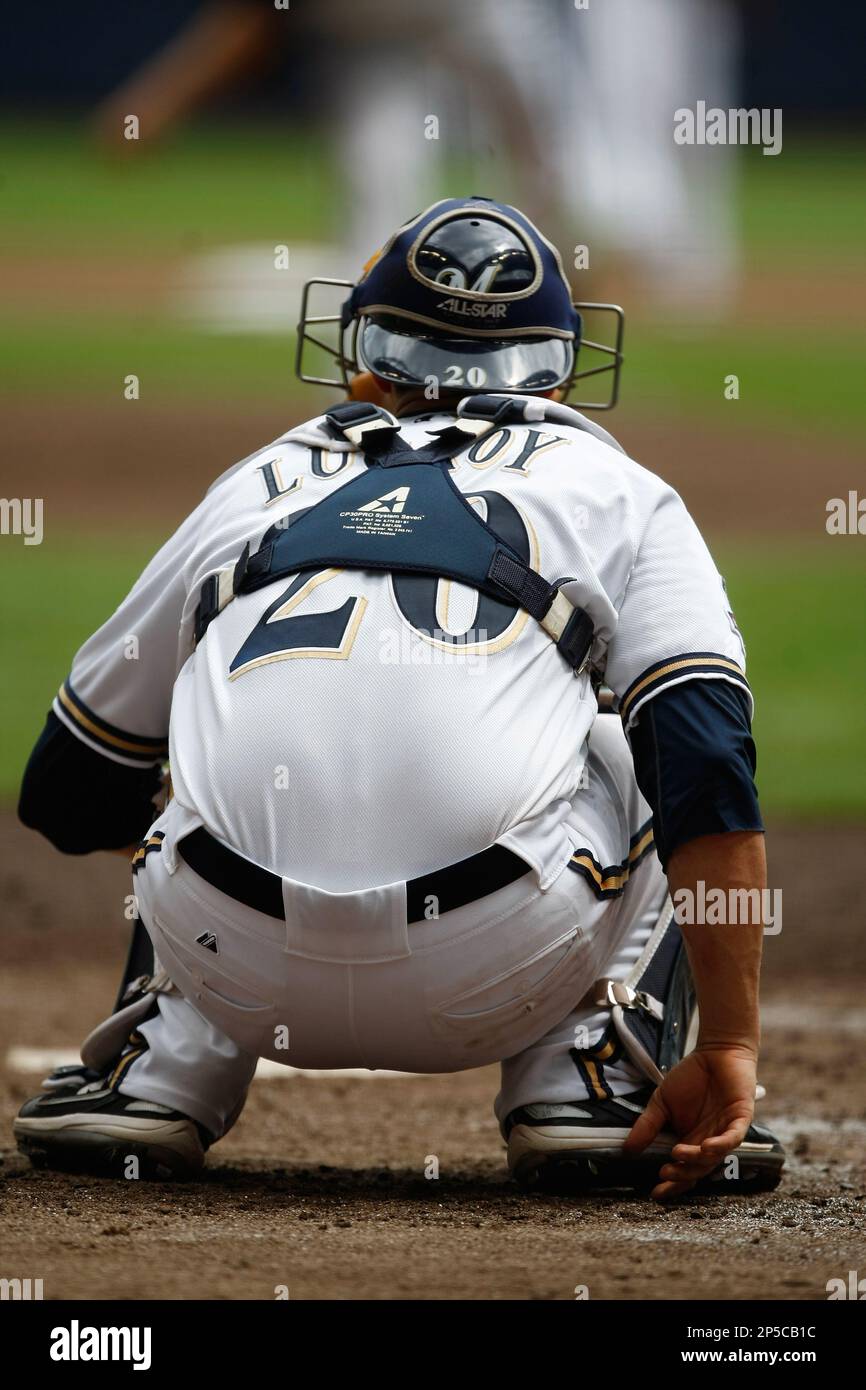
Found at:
[707, 1101]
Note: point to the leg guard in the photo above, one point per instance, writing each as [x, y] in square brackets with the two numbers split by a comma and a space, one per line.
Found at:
[101, 1048]
[653, 1011]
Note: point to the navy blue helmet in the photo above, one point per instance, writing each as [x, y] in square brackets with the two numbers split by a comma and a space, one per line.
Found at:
[467, 296]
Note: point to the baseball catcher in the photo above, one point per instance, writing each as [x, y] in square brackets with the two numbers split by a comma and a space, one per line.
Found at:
[399, 833]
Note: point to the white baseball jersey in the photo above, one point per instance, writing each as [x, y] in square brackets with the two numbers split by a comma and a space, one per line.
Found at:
[354, 728]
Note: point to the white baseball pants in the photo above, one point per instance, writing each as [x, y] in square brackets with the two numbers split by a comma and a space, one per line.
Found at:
[345, 982]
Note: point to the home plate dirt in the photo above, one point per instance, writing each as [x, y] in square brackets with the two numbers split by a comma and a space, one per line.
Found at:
[322, 1187]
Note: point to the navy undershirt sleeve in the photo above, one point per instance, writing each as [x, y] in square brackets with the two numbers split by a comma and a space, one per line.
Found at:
[694, 759]
[81, 800]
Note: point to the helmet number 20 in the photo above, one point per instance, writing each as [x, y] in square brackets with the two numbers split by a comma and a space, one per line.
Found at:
[454, 376]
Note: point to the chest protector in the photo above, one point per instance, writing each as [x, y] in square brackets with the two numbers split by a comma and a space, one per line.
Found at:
[404, 514]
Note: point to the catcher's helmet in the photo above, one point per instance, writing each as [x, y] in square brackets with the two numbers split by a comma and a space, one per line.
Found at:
[469, 295]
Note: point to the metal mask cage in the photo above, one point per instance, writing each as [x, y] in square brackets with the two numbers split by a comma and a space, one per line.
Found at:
[342, 348]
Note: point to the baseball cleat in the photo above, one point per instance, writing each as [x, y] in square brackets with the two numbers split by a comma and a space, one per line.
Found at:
[97, 1130]
[578, 1148]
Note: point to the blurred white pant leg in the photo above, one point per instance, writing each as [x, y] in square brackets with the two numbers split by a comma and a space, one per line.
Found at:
[388, 166]
[671, 207]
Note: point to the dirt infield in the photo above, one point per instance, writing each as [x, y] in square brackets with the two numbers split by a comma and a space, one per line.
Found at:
[321, 1186]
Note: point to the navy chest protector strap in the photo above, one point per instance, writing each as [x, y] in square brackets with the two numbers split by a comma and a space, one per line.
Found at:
[402, 514]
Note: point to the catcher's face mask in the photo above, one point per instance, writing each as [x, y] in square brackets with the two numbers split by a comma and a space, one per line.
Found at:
[468, 296]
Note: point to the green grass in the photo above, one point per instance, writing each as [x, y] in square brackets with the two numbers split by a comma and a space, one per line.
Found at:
[781, 381]
[52, 597]
[220, 182]
[170, 361]
[261, 182]
[802, 611]
[810, 197]
[785, 378]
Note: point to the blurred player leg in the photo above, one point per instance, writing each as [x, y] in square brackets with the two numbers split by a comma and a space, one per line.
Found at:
[670, 209]
[383, 105]
[604, 118]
